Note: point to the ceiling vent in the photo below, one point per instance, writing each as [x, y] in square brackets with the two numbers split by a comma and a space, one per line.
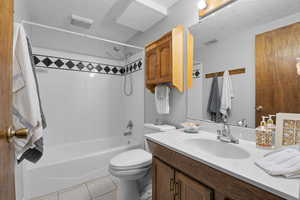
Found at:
[81, 21]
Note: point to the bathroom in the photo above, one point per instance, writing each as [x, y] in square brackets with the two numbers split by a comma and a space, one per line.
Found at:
[117, 125]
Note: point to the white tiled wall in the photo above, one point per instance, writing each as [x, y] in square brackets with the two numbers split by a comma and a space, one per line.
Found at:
[79, 106]
[134, 104]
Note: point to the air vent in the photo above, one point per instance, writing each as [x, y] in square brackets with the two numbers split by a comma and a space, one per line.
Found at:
[81, 21]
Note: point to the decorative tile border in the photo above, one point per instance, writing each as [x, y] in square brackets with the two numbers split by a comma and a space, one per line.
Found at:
[133, 66]
[196, 73]
[53, 62]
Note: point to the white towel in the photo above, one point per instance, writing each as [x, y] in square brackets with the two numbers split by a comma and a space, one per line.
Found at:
[26, 111]
[227, 94]
[162, 93]
[285, 162]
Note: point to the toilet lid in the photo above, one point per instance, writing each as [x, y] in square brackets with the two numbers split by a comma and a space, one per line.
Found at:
[132, 159]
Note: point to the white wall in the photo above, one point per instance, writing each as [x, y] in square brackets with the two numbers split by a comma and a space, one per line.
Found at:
[185, 13]
[77, 106]
[234, 52]
[21, 11]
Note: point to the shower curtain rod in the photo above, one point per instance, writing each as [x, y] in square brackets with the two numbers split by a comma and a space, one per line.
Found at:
[80, 34]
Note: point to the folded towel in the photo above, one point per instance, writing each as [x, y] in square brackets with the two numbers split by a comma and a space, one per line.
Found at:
[26, 108]
[284, 162]
[162, 99]
[213, 107]
[227, 95]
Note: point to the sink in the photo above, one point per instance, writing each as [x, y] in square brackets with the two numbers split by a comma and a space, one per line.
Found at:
[217, 148]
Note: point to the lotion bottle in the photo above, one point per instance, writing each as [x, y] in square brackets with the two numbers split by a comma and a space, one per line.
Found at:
[261, 134]
[271, 128]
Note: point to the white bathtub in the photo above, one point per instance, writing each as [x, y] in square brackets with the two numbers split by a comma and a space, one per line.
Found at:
[72, 164]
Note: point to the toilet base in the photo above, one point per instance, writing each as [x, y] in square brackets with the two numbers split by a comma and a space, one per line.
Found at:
[128, 190]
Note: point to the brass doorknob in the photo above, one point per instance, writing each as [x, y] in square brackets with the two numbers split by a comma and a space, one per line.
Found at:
[10, 133]
[259, 108]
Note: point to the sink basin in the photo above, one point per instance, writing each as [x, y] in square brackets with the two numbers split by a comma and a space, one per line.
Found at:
[217, 148]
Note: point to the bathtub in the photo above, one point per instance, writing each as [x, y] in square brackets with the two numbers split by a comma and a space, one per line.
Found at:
[72, 164]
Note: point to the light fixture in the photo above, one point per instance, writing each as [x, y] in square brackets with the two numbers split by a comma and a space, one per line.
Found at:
[202, 4]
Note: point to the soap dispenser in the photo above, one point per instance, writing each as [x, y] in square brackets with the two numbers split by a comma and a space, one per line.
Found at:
[271, 128]
[263, 137]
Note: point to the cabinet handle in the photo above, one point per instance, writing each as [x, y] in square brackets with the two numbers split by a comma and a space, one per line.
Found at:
[177, 191]
[171, 185]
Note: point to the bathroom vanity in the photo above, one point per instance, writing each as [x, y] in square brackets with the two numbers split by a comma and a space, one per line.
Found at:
[194, 167]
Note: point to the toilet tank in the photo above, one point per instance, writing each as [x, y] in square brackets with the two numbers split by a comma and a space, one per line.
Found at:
[151, 128]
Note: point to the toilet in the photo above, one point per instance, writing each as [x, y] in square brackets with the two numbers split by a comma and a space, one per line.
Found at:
[129, 167]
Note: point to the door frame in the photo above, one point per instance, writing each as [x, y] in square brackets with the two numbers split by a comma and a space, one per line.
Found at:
[7, 155]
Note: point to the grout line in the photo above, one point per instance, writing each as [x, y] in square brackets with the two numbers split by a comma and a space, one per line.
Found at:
[87, 188]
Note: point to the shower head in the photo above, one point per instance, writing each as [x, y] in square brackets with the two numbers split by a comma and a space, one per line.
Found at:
[116, 49]
[115, 53]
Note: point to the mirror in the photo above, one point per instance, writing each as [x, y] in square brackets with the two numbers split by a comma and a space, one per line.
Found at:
[260, 41]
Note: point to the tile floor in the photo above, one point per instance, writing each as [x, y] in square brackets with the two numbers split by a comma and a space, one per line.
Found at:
[100, 189]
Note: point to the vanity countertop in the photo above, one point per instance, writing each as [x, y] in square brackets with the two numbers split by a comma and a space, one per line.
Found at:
[243, 169]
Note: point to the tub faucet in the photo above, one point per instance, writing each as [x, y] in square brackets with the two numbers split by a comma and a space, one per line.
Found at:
[225, 135]
[129, 129]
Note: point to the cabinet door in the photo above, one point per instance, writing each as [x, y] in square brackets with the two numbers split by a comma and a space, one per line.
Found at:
[188, 189]
[165, 60]
[152, 66]
[163, 181]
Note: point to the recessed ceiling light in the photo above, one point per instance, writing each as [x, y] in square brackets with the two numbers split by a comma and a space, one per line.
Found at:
[202, 4]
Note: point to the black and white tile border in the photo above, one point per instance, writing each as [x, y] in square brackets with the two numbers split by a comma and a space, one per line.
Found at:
[196, 73]
[53, 62]
[133, 66]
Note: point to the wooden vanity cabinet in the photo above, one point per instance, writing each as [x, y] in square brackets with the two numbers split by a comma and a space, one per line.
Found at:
[163, 176]
[174, 185]
[164, 60]
[177, 177]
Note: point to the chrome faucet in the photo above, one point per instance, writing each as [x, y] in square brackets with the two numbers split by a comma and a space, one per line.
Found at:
[129, 129]
[225, 135]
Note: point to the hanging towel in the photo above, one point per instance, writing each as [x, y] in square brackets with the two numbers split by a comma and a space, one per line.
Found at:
[283, 162]
[26, 107]
[162, 93]
[227, 95]
[213, 107]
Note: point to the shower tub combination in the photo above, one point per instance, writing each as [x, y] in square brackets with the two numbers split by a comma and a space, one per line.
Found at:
[72, 164]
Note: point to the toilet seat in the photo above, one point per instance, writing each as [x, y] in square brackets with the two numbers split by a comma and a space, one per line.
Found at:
[135, 160]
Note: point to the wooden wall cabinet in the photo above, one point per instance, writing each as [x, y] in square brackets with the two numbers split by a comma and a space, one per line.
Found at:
[177, 177]
[164, 60]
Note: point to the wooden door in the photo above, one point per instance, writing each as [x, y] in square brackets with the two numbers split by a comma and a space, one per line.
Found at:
[188, 189]
[163, 181]
[165, 59]
[277, 81]
[152, 66]
[7, 159]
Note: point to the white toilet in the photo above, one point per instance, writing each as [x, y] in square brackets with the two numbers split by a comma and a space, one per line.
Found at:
[129, 167]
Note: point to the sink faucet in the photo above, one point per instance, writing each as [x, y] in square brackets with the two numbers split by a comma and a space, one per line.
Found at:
[225, 135]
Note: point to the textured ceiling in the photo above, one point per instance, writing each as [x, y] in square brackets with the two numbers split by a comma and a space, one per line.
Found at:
[104, 13]
[166, 3]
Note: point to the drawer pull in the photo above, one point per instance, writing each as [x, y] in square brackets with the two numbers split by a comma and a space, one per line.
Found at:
[177, 191]
[171, 185]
